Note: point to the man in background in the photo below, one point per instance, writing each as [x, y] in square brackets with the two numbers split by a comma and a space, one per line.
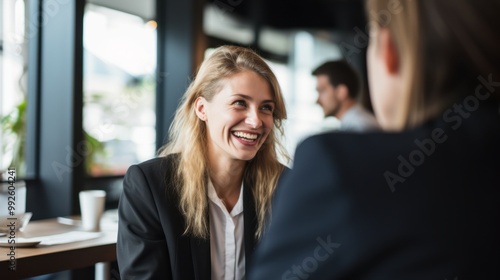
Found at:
[338, 87]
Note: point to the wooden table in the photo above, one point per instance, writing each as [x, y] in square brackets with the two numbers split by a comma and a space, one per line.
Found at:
[45, 259]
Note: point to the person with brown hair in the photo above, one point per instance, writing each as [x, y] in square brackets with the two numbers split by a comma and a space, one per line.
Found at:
[338, 87]
[196, 211]
[419, 200]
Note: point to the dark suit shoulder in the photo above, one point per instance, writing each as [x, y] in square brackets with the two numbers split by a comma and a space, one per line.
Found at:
[375, 204]
[345, 147]
[159, 173]
[169, 161]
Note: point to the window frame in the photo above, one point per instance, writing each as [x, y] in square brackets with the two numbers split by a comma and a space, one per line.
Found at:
[55, 141]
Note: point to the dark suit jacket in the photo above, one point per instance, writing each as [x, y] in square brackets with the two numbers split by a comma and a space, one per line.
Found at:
[421, 204]
[151, 244]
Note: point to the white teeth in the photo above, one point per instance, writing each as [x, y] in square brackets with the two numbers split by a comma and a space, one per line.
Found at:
[246, 135]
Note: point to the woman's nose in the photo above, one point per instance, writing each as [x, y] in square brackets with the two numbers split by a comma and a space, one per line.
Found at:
[253, 119]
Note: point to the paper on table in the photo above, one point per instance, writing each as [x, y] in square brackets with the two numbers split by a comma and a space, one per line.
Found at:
[67, 237]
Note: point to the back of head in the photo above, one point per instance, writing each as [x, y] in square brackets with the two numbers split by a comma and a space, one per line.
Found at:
[444, 47]
[340, 72]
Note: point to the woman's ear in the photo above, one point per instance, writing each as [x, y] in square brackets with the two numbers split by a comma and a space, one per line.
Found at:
[389, 51]
[200, 108]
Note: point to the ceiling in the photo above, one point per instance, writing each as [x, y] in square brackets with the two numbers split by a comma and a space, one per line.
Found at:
[334, 15]
[144, 8]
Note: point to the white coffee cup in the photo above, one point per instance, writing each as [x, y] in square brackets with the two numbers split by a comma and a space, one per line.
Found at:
[92, 207]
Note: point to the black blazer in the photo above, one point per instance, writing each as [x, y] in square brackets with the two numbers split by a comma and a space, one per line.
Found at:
[421, 204]
[151, 244]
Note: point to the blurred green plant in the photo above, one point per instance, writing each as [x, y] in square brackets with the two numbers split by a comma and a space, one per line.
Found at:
[14, 128]
[95, 147]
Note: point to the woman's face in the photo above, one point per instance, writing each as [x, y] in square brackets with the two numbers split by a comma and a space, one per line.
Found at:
[239, 117]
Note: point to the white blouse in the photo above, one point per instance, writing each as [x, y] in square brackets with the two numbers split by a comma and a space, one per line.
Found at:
[227, 250]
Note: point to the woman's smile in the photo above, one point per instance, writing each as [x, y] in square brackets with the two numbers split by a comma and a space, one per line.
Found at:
[239, 117]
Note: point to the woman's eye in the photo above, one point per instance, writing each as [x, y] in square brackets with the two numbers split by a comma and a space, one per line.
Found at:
[239, 103]
[268, 108]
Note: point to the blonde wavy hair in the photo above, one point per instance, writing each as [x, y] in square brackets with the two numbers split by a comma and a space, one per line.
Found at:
[187, 137]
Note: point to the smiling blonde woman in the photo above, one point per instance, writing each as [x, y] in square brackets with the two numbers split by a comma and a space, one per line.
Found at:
[198, 209]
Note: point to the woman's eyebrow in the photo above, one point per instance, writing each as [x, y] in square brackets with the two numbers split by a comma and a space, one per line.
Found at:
[247, 97]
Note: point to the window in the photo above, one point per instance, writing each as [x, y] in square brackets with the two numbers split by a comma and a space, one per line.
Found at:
[305, 117]
[119, 89]
[13, 84]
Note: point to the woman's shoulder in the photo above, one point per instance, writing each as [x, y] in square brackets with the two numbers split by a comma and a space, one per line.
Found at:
[342, 140]
[155, 169]
[156, 173]
[159, 163]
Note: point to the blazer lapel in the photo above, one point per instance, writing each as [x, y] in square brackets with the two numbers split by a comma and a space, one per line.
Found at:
[200, 251]
[250, 222]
